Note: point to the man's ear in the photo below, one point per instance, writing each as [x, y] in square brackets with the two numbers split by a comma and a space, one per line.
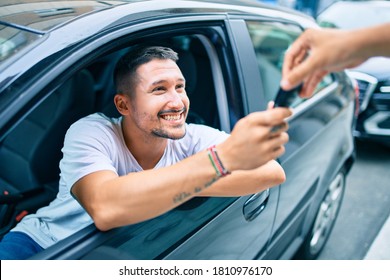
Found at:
[122, 103]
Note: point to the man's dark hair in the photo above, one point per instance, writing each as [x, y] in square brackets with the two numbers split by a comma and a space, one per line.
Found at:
[124, 74]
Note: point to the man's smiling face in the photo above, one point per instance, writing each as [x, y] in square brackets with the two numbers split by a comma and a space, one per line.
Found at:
[159, 101]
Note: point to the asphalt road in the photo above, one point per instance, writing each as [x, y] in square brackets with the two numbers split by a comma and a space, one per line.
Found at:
[366, 204]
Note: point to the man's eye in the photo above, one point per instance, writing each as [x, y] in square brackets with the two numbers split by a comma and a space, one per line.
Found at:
[159, 89]
[180, 86]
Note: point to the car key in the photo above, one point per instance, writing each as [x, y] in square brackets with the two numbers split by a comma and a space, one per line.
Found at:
[285, 98]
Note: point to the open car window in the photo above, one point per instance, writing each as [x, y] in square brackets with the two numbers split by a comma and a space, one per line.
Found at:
[91, 89]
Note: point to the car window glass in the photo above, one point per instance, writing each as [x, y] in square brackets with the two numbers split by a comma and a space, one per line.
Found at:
[270, 42]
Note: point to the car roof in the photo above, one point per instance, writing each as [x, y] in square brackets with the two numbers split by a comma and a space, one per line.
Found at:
[80, 19]
[42, 31]
[41, 16]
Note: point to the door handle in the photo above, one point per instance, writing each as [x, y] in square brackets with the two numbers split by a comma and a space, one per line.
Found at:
[255, 205]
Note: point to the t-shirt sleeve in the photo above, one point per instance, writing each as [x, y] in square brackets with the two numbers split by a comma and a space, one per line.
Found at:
[86, 150]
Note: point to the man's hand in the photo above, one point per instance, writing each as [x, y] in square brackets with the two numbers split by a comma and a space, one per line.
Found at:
[254, 141]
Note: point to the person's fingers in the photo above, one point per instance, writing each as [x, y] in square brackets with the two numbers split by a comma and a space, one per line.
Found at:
[277, 129]
[300, 60]
[311, 83]
[274, 147]
[277, 142]
[278, 152]
[270, 105]
[270, 117]
[300, 72]
[300, 57]
[296, 51]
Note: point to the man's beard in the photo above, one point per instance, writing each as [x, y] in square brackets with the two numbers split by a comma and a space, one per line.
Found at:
[164, 134]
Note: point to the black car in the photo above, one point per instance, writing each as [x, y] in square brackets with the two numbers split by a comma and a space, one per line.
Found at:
[57, 60]
[373, 76]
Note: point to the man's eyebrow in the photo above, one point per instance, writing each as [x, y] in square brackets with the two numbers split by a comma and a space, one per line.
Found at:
[163, 81]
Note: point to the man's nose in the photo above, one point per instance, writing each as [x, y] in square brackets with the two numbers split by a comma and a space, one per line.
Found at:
[175, 99]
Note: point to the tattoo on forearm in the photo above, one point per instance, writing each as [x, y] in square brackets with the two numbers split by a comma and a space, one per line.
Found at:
[211, 182]
[197, 189]
[182, 196]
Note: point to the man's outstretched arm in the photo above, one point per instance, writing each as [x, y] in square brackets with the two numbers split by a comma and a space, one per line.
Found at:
[114, 201]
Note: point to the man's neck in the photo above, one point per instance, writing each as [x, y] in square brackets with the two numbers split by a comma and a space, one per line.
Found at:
[146, 149]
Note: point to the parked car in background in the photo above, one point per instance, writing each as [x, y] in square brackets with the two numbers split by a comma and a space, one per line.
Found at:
[57, 61]
[373, 76]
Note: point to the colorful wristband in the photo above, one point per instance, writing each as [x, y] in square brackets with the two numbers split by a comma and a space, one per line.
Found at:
[216, 162]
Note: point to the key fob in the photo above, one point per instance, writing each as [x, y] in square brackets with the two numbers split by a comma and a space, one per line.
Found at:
[285, 98]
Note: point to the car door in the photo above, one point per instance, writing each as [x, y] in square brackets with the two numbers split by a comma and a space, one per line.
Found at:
[242, 229]
[319, 131]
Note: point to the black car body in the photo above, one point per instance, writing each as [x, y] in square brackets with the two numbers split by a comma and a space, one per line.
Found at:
[373, 76]
[58, 68]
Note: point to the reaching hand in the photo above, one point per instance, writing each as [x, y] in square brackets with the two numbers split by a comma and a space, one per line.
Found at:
[316, 53]
[254, 141]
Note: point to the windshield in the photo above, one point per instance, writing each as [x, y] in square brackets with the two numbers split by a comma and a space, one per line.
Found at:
[24, 21]
[13, 40]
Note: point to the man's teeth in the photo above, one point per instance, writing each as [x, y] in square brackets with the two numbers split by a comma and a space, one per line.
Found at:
[171, 117]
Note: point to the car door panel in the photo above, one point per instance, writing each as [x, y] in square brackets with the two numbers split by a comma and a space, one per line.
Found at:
[319, 135]
[230, 235]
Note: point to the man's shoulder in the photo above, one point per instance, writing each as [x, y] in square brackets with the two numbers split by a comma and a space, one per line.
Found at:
[96, 120]
[98, 117]
[94, 124]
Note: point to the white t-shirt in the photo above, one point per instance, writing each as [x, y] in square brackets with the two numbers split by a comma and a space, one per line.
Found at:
[96, 143]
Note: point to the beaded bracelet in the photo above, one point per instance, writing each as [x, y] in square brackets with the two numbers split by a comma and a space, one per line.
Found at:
[216, 162]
